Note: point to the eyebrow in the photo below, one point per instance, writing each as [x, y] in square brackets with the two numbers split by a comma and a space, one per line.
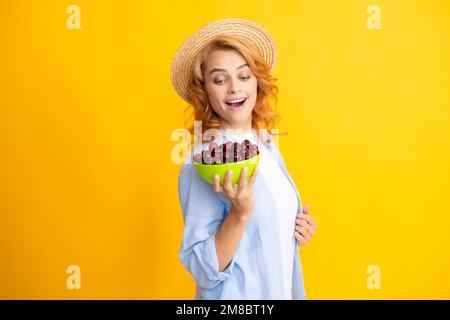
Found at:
[218, 69]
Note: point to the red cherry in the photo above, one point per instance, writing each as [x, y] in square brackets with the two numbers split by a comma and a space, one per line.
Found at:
[253, 153]
[246, 143]
[206, 156]
[218, 157]
[198, 158]
[228, 158]
[212, 146]
[229, 145]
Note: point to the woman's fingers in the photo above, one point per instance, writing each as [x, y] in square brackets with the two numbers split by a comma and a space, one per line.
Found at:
[227, 182]
[303, 231]
[216, 184]
[310, 229]
[306, 208]
[228, 188]
[307, 218]
[304, 223]
[243, 178]
[300, 238]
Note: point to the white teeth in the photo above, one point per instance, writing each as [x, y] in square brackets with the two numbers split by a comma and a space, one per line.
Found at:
[235, 101]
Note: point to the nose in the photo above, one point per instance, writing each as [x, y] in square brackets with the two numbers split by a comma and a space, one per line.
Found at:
[234, 87]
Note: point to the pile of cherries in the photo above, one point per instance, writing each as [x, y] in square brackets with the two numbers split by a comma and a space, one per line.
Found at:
[228, 152]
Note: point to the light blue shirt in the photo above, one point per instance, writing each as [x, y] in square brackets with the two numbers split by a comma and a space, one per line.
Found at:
[256, 271]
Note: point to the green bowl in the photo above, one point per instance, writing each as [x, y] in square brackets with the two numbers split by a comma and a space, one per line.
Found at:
[207, 171]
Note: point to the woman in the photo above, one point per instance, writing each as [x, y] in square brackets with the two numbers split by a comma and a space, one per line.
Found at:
[239, 241]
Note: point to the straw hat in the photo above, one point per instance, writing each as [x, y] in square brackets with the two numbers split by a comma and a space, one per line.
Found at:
[181, 69]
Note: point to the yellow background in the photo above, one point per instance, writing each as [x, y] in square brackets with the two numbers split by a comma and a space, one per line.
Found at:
[86, 176]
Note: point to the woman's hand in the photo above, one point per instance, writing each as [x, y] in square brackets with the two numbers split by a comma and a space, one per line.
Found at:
[241, 195]
[305, 226]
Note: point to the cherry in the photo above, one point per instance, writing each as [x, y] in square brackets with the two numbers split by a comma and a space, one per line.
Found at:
[198, 158]
[207, 158]
[212, 145]
[228, 158]
[218, 157]
[253, 148]
[229, 145]
[246, 144]
[228, 152]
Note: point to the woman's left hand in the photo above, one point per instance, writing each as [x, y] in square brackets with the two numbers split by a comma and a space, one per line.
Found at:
[305, 226]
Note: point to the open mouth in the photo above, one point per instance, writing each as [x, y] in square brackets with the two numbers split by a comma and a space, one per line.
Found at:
[236, 104]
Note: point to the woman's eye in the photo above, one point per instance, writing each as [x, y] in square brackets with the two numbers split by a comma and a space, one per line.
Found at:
[221, 81]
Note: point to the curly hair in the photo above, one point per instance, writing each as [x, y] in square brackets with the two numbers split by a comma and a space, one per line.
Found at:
[263, 115]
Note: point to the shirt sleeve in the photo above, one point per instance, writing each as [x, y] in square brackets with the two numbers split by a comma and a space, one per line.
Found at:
[203, 214]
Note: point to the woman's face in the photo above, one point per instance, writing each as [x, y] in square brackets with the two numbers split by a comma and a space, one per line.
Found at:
[228, 79]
